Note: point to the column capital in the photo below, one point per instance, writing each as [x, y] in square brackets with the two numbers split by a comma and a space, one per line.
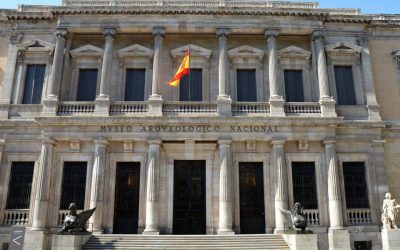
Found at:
[363, 42]
[109, 32]
[223, 32]
[154, 142]
[15, 37]
[271, 33]
[158, 31]
[224, 142]
[61, 33]
[319, 35]
[100, 142]
[278, 142]
[329, 141]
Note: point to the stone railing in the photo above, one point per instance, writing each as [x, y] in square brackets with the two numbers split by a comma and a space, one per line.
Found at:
[312, 216]
[248, 108]
[358, 217]
[298, 108]
[121, 108]
[75, 108]
[61, 216]
[176, 108]
[15, 217]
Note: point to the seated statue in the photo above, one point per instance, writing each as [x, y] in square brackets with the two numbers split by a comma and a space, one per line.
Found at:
[295, 220]
[76, 223]
[390, 212]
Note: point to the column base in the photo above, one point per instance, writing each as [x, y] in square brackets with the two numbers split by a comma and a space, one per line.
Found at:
[155, 105]
[373, 113]
[151, 232]
[36, 239]
[390, 239]
[301, 241]
[277, 106]
[50, 105]
[339, 239]
[102, 107]
[224, 105]
[225, 232]
[328, 108]
[69, 242]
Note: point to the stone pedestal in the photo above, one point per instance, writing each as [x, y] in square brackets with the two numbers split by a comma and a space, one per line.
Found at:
[102, 106]
[373, 113]
[390, 239]
[50, 106]
[224, 106]
[328, 107]
[301, 241]
[155, 105]
[36, 240]
[339, 240]
[69, 242]
[4, 109]
[277, 106]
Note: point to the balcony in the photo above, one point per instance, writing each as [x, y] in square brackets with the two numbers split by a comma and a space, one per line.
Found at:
[18, 217]
[358, 217]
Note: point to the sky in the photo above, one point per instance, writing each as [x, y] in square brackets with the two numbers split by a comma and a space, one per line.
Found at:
[367, 6]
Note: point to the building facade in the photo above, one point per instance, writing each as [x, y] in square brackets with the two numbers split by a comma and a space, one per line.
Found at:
[285, 102]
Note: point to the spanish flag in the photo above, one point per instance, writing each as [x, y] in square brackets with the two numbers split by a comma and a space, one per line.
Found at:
[183, 70]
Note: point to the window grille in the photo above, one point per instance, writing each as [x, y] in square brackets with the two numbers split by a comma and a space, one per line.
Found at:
[304, 184]
[73, 185]
[355, 185]
[294, 86]
[20, 185]
[345, 85]
[87, 85]
[134, 84]
[246, 85]
[34, 84]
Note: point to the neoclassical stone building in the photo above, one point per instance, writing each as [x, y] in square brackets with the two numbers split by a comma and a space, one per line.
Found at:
[285, 102]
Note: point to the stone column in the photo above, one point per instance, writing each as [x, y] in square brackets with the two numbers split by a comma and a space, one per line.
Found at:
[276, 101]
[225, 188]
[39, 221]
[224, 101]
[152, 188]
[103, 99]
[51, 101]
[338, 237]
[97, 185]
[325, 99]
[9, 73]
[155, 99]
[281, 183]
[380, 173]
[372, 104]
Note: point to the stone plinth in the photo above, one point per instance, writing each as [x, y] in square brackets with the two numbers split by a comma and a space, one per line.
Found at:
[69, 242]
[36, 240]
[301, 241]
[390, 239]
[339, 239]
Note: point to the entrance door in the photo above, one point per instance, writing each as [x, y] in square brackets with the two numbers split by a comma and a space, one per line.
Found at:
[126, 208]
[251, 186]
[189, 197]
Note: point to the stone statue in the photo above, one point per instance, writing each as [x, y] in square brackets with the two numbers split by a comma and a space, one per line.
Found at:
[295, 220]
[76, 223]
[389, 214]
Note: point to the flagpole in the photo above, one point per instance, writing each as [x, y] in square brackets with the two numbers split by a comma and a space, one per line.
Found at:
[189, 74]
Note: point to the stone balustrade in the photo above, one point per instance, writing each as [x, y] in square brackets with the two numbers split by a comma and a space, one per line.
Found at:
[175, 108]
[356, 217]
[312, 216]
[15, 217]
[121, 108]
[75, 108]
[298, 108]
[247, 108]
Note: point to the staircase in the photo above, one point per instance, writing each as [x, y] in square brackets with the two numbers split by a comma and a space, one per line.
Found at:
[253, 241]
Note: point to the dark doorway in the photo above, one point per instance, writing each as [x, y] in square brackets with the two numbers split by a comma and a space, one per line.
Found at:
[126, 209]
[251, 186]
[189, 197]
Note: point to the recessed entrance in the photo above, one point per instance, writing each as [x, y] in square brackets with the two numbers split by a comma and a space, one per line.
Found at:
[126, 208]
[189, 216]
[251, 186]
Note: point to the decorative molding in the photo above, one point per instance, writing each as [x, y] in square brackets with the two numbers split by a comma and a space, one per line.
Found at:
[223, 32]
[251, 146]
[294, 52]
[246, 51]
[36, 46]
[195, 51]
[15, 37]
[87, 51]
[343, 48]
[271, 33]
[135, 50]
[61, 33]
[75, 146]
[109, 32]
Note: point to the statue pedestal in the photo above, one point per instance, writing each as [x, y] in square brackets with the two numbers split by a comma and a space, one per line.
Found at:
[69, 242]
[339, 239]
[36, 239]
[390, 239]
[301, 241]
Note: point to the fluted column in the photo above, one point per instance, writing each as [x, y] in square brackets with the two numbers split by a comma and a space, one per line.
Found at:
[225, 188]
[152, 200]
[275, 91]
[372, 104]
[335, 204]
[109, 35]
[42, 193]
[325, 99]
[224, 101]
[97, 185]
[281, 183]
[9, 73]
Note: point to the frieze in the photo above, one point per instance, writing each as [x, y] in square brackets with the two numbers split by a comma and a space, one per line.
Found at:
[188, 129]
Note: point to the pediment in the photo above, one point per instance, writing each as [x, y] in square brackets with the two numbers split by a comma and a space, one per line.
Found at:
[343, 47]
[87, 50]
[246, 51]
[294, 51]
[135, 50]
[36, 45]
[195, 50]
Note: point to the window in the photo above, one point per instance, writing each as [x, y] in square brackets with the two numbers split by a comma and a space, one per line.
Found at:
[73, 185]
[87, 85]
[191, 86]
[246, 85]
[19, 191]
[294, 85]
[355, 185]
[345, 85]
[134, 84]
[34, 84]
[304, 184]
